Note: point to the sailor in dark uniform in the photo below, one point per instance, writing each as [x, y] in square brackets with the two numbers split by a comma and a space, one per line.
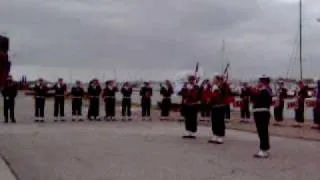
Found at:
[316, 118]
[166, 91]
[279, 106]
[9, 93]
[40, 93]
[60, 89]
[205, 90]
[245, 103]
[191, 101]
[94, 91]
[182, 105]
[301, 95]
[146, 94]
[262, 101]
[227, 101]
[126, 92]
[109, 96]
[218, 99]
[77, 94]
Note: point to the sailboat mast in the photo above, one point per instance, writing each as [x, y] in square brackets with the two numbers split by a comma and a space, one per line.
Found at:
[300, 38]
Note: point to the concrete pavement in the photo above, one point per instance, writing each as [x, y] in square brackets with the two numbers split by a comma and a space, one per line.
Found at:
[5, 172]
[145, 150]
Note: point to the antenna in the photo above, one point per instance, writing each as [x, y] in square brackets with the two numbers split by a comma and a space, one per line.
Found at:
[300, 39]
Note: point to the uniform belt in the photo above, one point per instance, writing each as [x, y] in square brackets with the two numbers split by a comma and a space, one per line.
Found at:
[59, 95]
[219, 105]
[109, 97]
[260, 110]
[191, 103]
[167, 97]
[39, 96]
[126, 97]
[94, 96]
[75, 97]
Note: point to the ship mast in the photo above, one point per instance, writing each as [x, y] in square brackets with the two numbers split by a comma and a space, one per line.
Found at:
[300, 38]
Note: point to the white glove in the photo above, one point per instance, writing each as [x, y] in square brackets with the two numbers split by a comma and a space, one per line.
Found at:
[215, 87]
[189, 86]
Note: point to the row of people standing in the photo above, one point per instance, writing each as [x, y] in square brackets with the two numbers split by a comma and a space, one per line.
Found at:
[41, 91]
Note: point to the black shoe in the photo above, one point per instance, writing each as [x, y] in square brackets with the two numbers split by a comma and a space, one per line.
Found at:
[42, 121]
[13, 121]
[214, 142]
[296, 126]
[189, 137]
[36, 120]
[6, 122]
[56, 120]
[80, 120]
[129, 119]
[73, 120]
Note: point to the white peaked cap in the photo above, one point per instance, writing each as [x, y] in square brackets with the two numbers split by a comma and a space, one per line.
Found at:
[217, 75]
[264, 76]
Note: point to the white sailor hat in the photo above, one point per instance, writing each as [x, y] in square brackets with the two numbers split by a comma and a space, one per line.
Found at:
[264, 78]
[217, 75]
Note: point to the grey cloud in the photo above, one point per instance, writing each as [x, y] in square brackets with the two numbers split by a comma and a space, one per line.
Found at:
[158, 34]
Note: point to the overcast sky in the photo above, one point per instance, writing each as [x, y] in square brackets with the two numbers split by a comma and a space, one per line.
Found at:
[160, 35]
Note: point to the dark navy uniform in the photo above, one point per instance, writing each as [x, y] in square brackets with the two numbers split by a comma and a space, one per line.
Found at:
[9, 93]
[191, 104]
[94, 91]
[40, 93]
[279, 107]
[59, 96]
[183, 97]
[146, 94]
[77, 93]
[126, 92]
[245, 103]
[302, 94]
[109, 95]
[205, 107]
[228, 94]
[316, 111]
[261, 111]
[166, 92]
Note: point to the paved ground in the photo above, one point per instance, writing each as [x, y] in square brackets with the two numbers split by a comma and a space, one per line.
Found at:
[5, 171]
[144, 150]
